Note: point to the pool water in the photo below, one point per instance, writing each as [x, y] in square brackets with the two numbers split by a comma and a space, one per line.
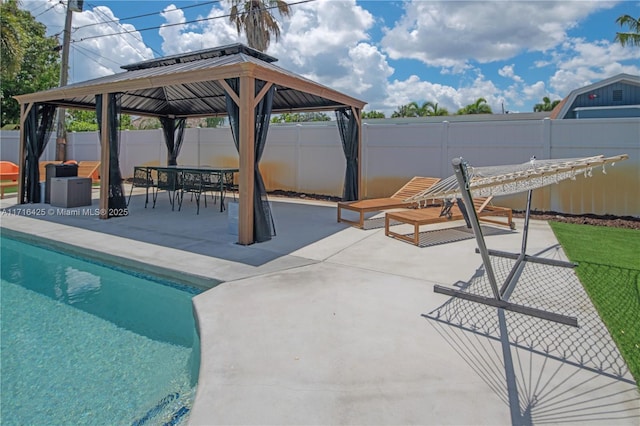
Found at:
[82, 343]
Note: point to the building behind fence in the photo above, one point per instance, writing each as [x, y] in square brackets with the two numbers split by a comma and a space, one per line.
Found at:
[308, 158]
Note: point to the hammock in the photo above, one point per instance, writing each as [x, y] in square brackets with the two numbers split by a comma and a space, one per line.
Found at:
[511, 179]
[469, 182]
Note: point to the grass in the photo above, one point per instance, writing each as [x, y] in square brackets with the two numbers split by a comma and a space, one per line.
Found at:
[609, 270]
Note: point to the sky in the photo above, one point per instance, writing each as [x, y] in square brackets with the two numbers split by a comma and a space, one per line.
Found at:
[385, 53]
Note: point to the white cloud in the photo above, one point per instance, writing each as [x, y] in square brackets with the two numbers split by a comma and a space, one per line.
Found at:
[451, 34]
[90, 56]
[508, 72]
[206, 34]
[581, 63]
[430, 43]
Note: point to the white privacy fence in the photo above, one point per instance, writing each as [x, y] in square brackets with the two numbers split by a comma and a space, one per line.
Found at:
[308, 158]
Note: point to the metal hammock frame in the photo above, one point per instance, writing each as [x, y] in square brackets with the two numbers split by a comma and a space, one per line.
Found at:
[469, 182]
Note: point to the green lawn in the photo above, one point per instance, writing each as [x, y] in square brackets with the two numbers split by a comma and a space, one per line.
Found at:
[609, 269]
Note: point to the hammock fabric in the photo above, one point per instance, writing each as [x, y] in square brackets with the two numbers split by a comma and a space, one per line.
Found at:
[511, 179]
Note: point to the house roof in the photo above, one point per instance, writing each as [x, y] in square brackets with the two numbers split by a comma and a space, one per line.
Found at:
[562, 109]
[189, 85]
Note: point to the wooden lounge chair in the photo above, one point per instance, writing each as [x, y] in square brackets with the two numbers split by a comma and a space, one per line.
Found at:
[90, 169]
[42, 166]
[414, 186]
[434, 214]
[9, 173]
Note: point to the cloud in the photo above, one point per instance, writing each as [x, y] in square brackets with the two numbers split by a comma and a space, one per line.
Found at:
[580, 63]
[214, 30]
[452, 34]
[449, 52]
[91, 57]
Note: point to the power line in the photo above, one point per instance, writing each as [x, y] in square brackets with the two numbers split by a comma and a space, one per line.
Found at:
[147, 14]
[48, 9]
[99, 12]
[178, 23]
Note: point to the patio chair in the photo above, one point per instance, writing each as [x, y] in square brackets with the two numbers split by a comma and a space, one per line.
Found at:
[142, 178]
[9, 173]
[170, 181]
[446, 213]
[414, 186]
[192, 182]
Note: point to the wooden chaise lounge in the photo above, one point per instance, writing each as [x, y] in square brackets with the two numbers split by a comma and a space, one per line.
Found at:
[431, 215]
[90, 169]
[414, 186]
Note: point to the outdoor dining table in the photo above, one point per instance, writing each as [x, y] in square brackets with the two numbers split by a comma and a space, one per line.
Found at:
[219, 175]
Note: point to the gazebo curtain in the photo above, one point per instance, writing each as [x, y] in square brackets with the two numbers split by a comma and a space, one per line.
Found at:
[37, 130]
[348, 128]
[117, 201]
[173, 129]
[263, 225]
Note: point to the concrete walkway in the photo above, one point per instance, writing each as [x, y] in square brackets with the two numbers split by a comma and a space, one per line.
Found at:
[327, 324]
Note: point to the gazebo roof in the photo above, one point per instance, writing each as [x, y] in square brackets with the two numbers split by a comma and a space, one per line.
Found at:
[188, 85]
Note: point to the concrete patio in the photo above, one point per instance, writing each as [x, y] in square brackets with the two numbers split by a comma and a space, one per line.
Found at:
[328, 324]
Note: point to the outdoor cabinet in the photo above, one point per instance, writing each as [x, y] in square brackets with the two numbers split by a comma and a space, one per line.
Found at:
[54, 171]
[70, 192]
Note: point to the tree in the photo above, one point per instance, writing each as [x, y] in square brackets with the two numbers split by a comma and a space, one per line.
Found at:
[11, 34]
[409, 110]
[632, 37]
[480, 106]
[214, 121]
[372, 114]
[254, 17]
[85, 120]
[546, 105]
[300, 117]
[431, 109]
[39, 67]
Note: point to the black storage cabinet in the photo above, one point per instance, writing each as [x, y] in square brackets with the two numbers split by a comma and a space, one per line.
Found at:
[54, 171]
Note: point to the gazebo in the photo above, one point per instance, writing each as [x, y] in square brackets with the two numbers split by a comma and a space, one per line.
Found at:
[232, 80]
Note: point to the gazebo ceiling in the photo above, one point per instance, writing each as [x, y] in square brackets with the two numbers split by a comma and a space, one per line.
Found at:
[188, 85]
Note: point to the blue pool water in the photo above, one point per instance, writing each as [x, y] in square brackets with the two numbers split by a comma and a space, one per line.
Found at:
[83, 343]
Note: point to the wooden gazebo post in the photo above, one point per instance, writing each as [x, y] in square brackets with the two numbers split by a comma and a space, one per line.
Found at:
[104, 158]
[247, 160]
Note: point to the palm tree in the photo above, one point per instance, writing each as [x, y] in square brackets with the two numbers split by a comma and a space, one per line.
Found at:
[409, 110]
[431, 109]
[255, 19]
[480, 106]
[546, 105]
[11, 34]
[632, 37]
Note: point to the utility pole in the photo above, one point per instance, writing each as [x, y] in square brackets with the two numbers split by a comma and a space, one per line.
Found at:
[61, 132]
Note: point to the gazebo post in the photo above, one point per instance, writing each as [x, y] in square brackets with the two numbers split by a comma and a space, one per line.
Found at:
[104, 158]
[24, 110]
[358, 118]
[247, 160]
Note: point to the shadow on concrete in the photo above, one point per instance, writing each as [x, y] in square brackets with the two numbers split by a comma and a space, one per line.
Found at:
[207, 233]
[544, 372]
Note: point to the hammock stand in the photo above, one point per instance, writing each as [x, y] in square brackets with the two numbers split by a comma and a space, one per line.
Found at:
[483, 181]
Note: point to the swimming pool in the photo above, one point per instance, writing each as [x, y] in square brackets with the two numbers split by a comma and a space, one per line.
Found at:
[83, 343]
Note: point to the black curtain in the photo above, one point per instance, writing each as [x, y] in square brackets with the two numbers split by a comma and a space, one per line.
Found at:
[37, 130]
[348, 128]
[173, 129]
[117, 205]
[263, 225]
